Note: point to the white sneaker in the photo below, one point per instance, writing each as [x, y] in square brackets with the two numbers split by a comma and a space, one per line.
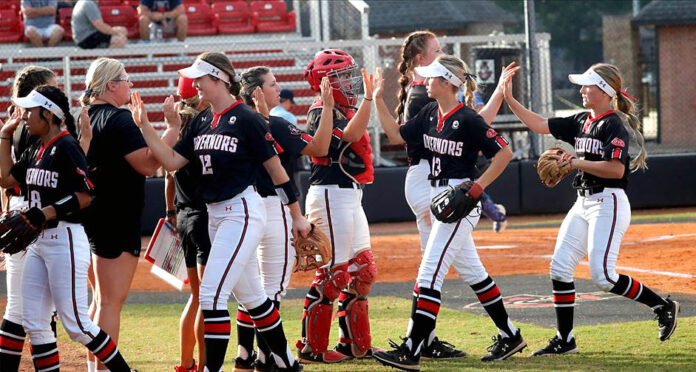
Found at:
[500, 226]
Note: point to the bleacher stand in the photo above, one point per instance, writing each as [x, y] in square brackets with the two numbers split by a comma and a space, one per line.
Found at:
[232, 17]
[272, 16]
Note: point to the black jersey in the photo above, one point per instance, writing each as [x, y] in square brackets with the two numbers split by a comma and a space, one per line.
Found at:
[595, 139]
[21, 140]
[454, 140]
[186, 181]
[291, 142]
[230, 147]
[52, 172]
[119, 190]
[416, 99]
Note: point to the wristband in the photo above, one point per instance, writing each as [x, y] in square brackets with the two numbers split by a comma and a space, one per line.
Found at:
[35, 217]
[475, 191]
[286, 193]
[171, 213]
[367, 99]
[67, 206]
[6, 138]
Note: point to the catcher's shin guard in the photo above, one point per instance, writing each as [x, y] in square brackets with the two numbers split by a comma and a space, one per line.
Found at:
[354, 323]
[361, 280]
[316, 318]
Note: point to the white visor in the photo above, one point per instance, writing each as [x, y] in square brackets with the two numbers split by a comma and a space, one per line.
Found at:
[435, 69]
[200, 68]
[590, 77]
[36, 99]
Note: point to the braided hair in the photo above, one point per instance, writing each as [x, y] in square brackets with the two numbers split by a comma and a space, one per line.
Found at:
[413, 45]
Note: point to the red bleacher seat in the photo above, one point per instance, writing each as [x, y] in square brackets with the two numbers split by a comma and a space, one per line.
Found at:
[121, 15]
[194, 1]
[113, 2]
[272, 16]
[232, 17]
[200, 19]
[11, 30]
[64, 19]
[15, 4]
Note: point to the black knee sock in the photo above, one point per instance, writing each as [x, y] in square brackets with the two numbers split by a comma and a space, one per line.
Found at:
[11, 345]
[217, 336]
[104, 348]
[424, 319]
[264, 354]
[564, 304]
[489, 295]
[343, 299]
[45, 357]
[270, 327]
[414, 305]
[245, 331]
[635, 290]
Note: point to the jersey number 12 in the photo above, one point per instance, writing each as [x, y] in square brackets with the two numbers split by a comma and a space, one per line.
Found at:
[206, 163]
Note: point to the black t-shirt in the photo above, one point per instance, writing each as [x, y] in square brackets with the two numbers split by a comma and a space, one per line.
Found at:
[186, 181]
[230, 147]
[454, 140]
[291, 141]
[21, 140]
[595, 139]
[119, 190]
[416, 99]
[53, 172]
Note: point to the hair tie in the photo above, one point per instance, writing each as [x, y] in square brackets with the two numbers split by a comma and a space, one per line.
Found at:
[236, 78]
[623, 92]
[88, 92]
[470, 76]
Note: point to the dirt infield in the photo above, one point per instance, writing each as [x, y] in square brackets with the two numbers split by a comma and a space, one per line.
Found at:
[659, 254]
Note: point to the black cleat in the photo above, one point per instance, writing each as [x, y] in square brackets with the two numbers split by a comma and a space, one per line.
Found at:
[267, 366]
[399, 358]
[557, 346]
[295, 368]
[666, 316]
[245, 364]
[439, 349]
[505, 347]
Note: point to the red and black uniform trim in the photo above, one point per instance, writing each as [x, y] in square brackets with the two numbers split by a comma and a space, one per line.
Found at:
[270, 331]
[45, 357]
[11, 344]
[243, 318]
[564, 305]
[490, 297]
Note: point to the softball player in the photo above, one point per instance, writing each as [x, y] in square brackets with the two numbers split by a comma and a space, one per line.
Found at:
[334, 204]
[601, 214]
[54, 173]
[261, 91]
[229, 141]
[454, 134]
[188, 214]
[11, 332]
[420, 48]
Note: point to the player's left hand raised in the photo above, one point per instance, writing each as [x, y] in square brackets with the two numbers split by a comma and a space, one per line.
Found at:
[259, 99]
[300, 226]
[379, 84]
[368, 83]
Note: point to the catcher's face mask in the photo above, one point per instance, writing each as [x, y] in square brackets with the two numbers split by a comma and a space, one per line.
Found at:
[347, 82]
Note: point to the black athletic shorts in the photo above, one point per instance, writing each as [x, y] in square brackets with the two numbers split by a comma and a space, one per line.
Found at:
[108, 240]
[96, 40]
[192, 225]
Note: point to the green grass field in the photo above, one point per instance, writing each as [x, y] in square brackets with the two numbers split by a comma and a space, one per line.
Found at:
[149, 341]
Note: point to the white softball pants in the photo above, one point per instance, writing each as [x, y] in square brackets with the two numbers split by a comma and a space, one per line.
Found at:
[417, 191]
[276, 254]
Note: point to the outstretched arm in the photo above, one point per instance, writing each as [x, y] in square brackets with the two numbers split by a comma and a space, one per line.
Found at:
[357, 125]
[532, 120]
[490, 110]
[389, 124]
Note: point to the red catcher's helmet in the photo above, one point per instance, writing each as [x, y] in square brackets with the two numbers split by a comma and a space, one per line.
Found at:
[344, 75]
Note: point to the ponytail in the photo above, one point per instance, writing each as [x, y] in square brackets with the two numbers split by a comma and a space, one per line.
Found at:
[632, 124]
[413, 45]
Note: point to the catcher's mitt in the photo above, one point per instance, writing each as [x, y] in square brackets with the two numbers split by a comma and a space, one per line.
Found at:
[553, 166]
[456, 202]
[19, 229]
[313, 252]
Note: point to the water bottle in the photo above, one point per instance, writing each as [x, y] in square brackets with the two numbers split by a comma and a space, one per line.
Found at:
[155, 32]
[159, 33]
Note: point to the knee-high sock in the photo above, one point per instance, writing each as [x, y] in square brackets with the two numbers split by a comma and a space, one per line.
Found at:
[564, 304]
[267, 321]
[104, 348]
[424, 319]
[343, 299]
[264, 350]
[11, 344]
[245, 333]
[635, 290]
[45, 357]
[414, 305]
[489, 295]
[217, 336]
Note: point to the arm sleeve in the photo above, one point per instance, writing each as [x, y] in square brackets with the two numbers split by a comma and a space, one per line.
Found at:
[19, 169]
[127, 136]
[260, 141]
[616, 139]
[485, 138]
[291, 139]
[565, 129]
[75, 166]
[415, 127]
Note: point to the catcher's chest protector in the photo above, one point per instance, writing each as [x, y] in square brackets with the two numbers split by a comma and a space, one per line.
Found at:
[354, 159]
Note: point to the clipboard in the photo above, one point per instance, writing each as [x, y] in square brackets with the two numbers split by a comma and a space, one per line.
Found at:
[166, 254]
